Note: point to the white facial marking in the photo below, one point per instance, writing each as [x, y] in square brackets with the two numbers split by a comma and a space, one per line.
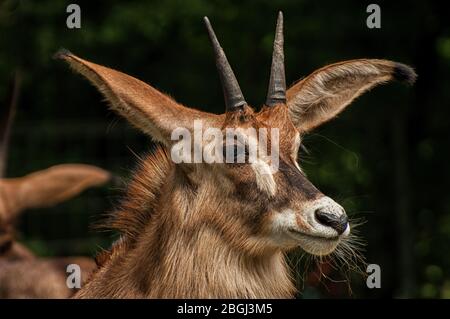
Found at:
[284, 220]
[259, 163]
[264, 177]
[281, 222]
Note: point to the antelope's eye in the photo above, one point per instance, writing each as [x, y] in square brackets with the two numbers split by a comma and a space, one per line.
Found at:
[236, 153]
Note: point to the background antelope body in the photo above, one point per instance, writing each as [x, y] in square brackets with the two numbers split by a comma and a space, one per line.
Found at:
[22, 273]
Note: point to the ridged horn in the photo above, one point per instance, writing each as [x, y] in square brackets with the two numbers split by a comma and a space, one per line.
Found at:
[277, 84]
[231, 91]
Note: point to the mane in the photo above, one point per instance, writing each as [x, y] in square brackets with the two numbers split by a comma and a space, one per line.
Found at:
[137, 206]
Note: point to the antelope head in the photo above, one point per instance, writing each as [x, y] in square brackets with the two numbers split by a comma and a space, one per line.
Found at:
[252, 204]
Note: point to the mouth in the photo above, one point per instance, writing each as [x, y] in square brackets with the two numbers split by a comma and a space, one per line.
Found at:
[314, 237]
[315, 244]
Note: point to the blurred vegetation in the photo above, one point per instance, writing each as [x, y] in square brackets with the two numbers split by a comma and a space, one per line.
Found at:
[385, 159]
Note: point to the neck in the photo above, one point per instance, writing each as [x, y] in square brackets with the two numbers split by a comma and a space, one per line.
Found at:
[177, 254]
[204, 266]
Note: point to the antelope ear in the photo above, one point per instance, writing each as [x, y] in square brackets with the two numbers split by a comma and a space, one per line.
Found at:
[326, 92]
[151, 111]
[51, 186]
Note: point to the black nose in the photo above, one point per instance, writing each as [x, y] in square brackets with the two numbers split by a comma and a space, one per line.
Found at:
[338, 223]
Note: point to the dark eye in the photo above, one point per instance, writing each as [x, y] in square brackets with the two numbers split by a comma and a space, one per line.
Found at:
[235, 153]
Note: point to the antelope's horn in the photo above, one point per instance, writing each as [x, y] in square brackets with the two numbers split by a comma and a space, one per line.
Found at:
[276, 93]
[231, 90]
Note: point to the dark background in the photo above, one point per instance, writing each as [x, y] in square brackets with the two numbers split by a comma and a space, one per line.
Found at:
[385, 159]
